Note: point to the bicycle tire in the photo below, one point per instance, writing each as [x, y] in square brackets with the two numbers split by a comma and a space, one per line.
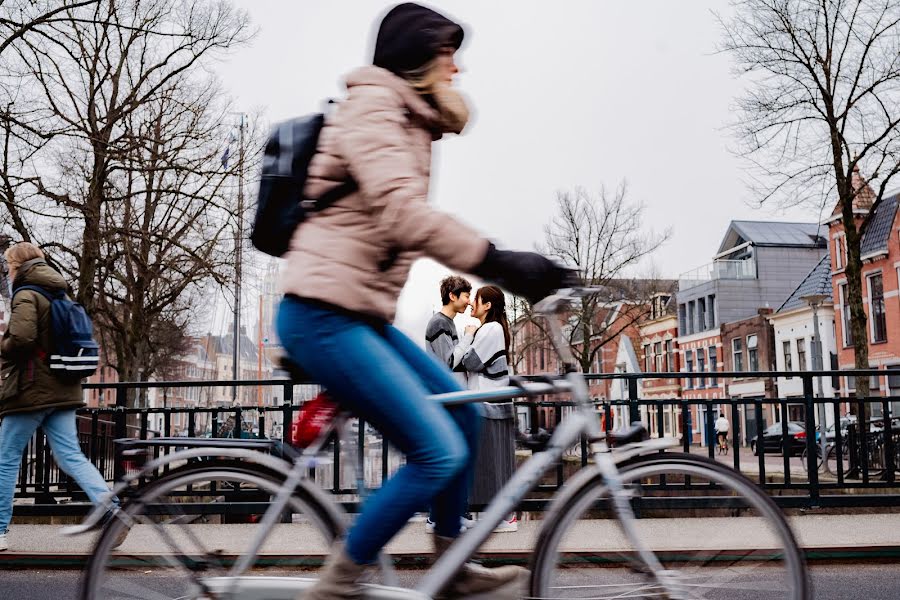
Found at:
[558, 561]
[832, 465]
[98, 584]
[804, 458]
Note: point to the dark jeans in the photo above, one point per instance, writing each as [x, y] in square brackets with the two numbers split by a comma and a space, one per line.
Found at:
[384, 378]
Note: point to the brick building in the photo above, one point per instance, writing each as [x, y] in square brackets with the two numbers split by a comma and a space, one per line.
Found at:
[749, 345]
[880, 255]
[617, 341]
[660, 354]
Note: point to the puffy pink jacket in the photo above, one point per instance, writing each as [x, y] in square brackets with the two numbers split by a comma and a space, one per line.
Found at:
[356, 254]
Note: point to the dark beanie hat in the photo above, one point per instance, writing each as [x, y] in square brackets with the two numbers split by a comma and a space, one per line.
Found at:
[411, 35]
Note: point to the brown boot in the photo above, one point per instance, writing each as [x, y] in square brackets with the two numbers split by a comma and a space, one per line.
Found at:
[474, 579]
[338, 579]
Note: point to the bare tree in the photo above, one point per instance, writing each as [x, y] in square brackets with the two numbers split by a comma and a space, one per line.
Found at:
[603, 237]
[24, 17]
[823, 104]
[86, 72]
[169, 233]
[113, 130]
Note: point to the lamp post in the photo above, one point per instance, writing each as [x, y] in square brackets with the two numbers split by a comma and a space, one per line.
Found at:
[815, 301]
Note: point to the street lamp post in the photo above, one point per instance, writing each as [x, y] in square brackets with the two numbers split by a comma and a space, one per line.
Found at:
[815, 301]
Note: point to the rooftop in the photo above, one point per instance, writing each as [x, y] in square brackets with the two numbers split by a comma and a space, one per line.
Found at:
[818, 281]
[878, 226]
[772, 233]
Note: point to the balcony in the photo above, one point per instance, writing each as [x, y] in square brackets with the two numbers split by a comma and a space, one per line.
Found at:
[720, 269]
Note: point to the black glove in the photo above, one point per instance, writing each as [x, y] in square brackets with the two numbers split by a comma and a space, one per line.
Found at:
[525, 274]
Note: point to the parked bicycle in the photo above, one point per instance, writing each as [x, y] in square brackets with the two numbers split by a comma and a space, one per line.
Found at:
[686, 544]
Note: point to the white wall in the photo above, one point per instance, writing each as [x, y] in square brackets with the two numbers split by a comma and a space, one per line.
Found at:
[796, 325]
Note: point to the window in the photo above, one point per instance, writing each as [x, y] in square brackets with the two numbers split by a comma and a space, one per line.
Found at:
[648, 359]
[701, 314]
[713, 365]
[737, 354]
[894, 380]
[711, 310]
[876, 308]
[659, 307]
[701, 367]
[801, 354]
[690, 318]
[786, 351]
[658, 356]
[682, 319]
[845, 316]
[689, 367]
[670, 356]
[833, 364]
[839, 253]
[752, 353]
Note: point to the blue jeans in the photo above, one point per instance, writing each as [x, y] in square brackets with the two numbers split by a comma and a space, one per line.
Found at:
[59, 427]
[384, 377]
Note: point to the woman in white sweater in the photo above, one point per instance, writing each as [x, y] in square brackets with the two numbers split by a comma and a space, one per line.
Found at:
[482, 355]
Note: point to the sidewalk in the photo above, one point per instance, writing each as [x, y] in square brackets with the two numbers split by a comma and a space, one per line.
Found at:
[831, 537]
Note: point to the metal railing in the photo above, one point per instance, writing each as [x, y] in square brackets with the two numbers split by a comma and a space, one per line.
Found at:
[868, 456]
[720, 269]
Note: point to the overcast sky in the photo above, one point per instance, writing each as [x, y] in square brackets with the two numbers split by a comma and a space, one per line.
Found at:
[566, 93]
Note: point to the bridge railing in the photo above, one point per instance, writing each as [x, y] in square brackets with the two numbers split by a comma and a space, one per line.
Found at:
[865, 442]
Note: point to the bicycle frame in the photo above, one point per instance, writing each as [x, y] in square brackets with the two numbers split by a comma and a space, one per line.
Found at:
[583, 421]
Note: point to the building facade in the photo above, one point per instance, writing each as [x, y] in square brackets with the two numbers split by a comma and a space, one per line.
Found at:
[748, 345]
[660, 354]
[880, 255]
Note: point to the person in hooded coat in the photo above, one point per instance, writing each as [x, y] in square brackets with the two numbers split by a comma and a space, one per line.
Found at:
[344, 272]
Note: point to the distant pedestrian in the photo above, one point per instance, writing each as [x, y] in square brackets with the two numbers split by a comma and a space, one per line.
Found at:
[722, 428]
[482, 354]
[31, 396]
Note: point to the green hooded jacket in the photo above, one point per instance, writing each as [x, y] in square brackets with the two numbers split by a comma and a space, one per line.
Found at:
[27, 383]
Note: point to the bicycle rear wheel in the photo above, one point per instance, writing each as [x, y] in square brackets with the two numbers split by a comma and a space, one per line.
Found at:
[194, 523]
[837, 465]
[716, 533]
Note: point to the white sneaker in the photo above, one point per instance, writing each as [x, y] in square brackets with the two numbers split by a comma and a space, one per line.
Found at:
[508, 525]
[4, 545]
[467, 521]
[464, 523]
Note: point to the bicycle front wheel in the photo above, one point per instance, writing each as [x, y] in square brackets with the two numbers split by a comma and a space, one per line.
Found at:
[715, 533]
[192, 524]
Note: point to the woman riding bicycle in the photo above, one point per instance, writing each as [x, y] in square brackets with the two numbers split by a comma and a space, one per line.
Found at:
[347, 265]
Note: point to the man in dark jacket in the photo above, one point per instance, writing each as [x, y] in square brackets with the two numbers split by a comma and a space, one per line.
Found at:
[31, 396]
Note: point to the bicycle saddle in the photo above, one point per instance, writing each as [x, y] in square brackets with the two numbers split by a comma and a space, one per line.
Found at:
[636, 432]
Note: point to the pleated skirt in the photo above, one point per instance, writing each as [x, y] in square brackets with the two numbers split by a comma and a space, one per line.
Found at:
[496, 460]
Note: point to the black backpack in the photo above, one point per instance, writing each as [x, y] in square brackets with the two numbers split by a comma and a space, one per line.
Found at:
[73, 353]
[280, 206]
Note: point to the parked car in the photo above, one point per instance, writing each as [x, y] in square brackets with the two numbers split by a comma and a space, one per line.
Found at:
[772, 439]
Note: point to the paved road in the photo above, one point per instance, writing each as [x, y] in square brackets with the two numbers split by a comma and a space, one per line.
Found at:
[832, 582]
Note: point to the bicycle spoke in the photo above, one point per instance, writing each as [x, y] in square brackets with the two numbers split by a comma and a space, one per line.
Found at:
[181, 520]
[733, 544]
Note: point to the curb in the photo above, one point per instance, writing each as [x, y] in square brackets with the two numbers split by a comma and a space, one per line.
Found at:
[413, 560]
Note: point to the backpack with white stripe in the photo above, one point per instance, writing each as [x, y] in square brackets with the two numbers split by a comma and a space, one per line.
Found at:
[73, 353]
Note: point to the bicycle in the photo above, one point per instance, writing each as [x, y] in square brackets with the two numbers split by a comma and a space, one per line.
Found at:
[722, 445]
[702, 553]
